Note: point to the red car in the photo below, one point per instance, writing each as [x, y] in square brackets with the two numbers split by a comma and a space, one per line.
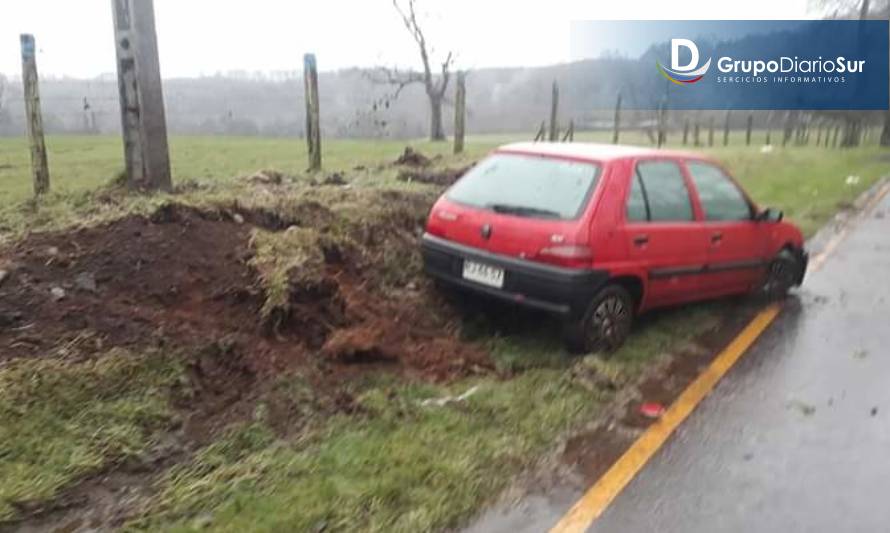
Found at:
[599, 233]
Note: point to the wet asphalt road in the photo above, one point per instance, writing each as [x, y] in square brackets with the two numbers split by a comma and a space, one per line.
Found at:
[797, 435]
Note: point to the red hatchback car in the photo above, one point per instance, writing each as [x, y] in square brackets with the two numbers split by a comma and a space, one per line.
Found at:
[599, 233]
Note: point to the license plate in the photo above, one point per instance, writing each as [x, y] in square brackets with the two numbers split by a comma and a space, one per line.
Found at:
[484, 274]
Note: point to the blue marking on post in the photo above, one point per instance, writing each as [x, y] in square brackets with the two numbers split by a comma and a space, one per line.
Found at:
[27, 46]
[309, 60]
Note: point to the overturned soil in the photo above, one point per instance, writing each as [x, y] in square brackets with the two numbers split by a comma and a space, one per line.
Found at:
[182, 279]
[443, 177]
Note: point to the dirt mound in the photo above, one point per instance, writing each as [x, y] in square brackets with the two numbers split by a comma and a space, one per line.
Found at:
[266, 177]
[175, 274]
[435, 177]
[413, 158]
[183, 278]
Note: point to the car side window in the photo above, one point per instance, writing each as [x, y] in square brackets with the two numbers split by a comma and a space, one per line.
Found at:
[661, 190]
[637, 210]
[720, 198]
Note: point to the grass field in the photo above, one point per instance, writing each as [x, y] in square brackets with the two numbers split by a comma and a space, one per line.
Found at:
[806, 182]
[396, 465]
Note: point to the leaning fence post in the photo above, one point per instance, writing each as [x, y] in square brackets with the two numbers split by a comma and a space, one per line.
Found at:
[542, 131]
[460, 112]
[39, 166]
[313, 117]
[570, 133]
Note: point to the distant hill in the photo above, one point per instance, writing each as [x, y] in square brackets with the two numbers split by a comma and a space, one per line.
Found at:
[498, 100]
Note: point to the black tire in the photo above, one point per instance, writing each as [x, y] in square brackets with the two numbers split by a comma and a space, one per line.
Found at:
[783, 273]
[606, 323]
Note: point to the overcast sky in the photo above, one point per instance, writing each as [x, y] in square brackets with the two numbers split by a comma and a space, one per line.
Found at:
[75, 38]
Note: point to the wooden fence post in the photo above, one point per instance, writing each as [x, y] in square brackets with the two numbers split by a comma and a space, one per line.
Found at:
[616, 125]
[696, 139]
[662, 124]
[789, 130]
[143, 121]
[685, 131]
[39, 166]
[837, 130]
[748, 129]
[460, 112]
[313, 115]
[711, 131]
[726, 130]
[769, 133]
[554, 108]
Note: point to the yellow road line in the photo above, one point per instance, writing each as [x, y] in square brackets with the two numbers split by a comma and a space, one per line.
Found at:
[601, 494]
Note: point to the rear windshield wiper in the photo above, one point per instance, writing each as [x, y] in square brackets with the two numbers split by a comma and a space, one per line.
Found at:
[523, 211]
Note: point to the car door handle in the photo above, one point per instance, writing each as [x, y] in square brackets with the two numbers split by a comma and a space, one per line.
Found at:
[640, 240]
[716, 237]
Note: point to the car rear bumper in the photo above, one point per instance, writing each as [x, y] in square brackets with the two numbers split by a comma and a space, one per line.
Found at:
[564, 291]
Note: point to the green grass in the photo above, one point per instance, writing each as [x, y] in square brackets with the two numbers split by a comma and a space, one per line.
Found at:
[61, 420]
[401, 466]
[806, 182]
[79, 163]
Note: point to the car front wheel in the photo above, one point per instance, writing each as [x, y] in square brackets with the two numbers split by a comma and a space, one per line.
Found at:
[606, 323]
[783, 273]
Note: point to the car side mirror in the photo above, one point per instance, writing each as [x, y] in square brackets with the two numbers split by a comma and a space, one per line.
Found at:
[770, 215]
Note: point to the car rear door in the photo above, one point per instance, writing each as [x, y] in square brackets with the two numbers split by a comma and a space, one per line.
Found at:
[736, 257]
[661, 231]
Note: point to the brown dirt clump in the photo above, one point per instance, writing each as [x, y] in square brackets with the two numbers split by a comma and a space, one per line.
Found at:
[442, 177]
[412, 158]
[182, 278]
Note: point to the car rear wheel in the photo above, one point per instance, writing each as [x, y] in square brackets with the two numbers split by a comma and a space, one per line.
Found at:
[783, 273]
[606, 323]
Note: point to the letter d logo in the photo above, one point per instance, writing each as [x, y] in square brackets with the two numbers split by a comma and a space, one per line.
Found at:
[688, 73]
[675, 55]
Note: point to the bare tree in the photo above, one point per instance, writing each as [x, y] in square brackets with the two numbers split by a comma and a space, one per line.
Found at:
[435, 84]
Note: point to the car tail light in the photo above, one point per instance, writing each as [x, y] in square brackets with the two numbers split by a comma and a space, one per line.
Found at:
[569, 255]
[446, 215]
[439, 220]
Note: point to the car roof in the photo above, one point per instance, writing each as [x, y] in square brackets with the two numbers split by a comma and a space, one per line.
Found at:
[593, 151]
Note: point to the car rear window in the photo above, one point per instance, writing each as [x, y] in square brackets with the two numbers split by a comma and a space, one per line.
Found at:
[528, 185]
